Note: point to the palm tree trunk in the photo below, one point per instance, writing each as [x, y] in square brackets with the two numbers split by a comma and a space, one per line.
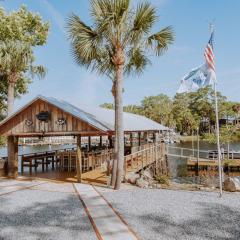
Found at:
[114, 168]
[119, 126]
[10, 98]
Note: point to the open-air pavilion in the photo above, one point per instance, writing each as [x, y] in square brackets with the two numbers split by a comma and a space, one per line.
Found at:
[45, 117]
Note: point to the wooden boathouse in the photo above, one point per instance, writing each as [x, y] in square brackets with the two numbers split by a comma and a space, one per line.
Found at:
[46, 117]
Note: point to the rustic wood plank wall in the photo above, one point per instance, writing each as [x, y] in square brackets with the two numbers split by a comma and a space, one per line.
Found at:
[18, 124]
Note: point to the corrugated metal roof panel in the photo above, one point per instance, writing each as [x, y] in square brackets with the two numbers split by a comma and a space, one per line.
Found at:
[104, 118]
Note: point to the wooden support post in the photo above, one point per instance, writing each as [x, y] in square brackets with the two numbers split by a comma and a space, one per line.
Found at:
[154, 137]
[89, 143]
[156, 160]
[145, 137]
[12, 156]
[131, 140]
[100, 141]
[139, 139]
[110, 141]
[79, 159]
[22, 167]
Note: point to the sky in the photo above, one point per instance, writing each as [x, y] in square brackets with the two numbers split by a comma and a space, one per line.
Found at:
[190, 20]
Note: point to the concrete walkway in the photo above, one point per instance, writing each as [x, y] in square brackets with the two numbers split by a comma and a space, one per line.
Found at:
[107, 224]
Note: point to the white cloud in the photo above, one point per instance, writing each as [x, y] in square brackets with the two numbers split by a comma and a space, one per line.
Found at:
[55, 15]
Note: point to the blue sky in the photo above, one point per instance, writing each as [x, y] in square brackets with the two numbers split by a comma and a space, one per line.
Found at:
[190, 20]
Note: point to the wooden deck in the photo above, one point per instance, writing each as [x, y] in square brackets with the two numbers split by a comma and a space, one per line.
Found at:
[133, 163]
[95, 177]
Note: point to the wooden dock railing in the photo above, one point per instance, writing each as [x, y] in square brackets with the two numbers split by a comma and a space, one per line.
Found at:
[143, 158]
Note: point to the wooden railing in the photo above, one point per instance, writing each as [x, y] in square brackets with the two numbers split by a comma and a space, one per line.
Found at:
[65, 159]
[143, 158]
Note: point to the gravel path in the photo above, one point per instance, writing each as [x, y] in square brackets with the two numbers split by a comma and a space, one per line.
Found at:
[165, 214]
[46, 212]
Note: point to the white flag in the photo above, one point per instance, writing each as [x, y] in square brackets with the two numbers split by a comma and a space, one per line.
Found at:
[199, 77]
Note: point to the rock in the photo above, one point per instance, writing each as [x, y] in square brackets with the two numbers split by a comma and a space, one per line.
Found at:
[142, 183]
[132, 177]
[148, 173]
[231, 184]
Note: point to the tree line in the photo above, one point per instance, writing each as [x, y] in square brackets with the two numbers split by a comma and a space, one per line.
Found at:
[185, 112]
[21, 32]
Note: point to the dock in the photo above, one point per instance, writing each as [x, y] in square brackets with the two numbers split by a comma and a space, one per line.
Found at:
[207, 164]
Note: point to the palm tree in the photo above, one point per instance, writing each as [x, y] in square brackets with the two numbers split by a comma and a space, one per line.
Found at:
[117, 43]
[16, 62]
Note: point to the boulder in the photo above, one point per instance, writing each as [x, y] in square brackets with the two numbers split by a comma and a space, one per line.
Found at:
[148, 173]
[132, 177]
[142, 183]
[231, 184]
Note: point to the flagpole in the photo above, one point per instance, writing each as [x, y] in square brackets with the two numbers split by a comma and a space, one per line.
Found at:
[217, 131]
[218, 140]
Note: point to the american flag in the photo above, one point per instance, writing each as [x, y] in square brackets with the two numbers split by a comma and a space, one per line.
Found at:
[209, 55]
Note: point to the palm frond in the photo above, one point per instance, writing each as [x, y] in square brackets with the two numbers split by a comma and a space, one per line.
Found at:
[145, 17]
[117, 28]
[84, 41]
[160, 41]
[137, 61]
[109, 11]
[39, 71]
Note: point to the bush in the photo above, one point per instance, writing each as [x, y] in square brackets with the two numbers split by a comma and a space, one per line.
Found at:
[163, 179]
[182, 171]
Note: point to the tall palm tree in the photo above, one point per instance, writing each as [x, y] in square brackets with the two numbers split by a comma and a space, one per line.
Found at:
[16, 61]
[118, 42]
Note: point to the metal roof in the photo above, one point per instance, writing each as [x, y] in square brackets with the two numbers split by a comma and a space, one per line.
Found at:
[101, 118]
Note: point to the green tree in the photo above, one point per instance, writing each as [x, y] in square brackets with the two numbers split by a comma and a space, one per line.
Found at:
[133, 109]
[24, 26]
[16, 60]
[118, 42]
[107, 105]
[182, 113]
[20, 31]
[158, 108]
[226, 135]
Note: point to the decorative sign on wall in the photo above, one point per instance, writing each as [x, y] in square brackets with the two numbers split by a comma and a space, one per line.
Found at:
[29, 122]
[61, 121]
[43, 116]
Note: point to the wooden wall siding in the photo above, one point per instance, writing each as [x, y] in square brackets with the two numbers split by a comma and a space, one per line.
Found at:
[17, 125]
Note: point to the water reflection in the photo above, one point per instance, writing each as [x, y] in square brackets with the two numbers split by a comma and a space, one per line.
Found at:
[34, 149]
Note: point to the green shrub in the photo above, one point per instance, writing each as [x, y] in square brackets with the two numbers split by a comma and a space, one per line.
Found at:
[182, 171]
[163, 179]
